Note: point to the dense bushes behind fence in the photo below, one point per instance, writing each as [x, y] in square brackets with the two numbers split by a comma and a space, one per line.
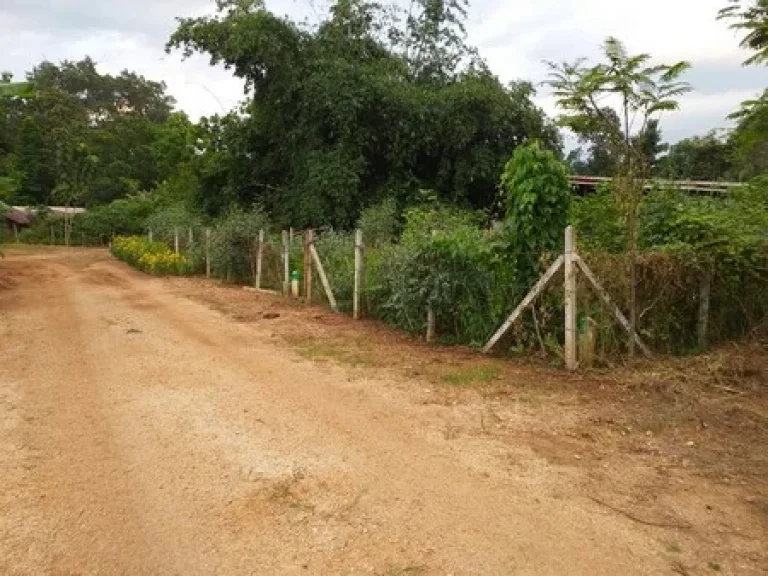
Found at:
[452, 262]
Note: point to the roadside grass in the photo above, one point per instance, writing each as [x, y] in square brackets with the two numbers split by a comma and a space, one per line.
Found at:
[342, 353]
[474, 374]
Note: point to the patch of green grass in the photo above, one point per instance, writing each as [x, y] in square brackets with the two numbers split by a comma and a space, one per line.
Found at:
[673, 547]
[349, 355]
[714, 566]
[470, 375]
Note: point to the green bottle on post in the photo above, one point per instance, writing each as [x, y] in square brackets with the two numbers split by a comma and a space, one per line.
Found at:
[295, 284]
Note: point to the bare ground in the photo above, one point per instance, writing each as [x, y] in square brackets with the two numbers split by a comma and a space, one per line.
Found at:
[180, 426]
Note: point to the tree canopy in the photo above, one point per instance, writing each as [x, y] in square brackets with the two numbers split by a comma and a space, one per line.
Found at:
[357, 110]
[750, 17]
[68, 112]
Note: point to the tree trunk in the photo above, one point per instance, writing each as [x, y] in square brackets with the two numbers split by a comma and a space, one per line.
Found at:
[632, 254]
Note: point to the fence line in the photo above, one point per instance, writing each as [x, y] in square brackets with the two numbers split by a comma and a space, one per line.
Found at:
[340, 262]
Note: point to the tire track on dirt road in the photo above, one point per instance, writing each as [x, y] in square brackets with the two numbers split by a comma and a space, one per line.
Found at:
[68, 509]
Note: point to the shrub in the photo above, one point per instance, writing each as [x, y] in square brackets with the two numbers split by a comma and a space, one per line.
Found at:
[683, 240]
[379, 223]
[166, 222]
[444, 262]
[124, 217]
[233, 242]
[537, 196]
[150, 257]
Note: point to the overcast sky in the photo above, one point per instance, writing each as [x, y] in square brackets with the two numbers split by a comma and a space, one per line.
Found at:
[514, 36]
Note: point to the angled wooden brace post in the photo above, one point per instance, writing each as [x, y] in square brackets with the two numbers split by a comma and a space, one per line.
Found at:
[323, 277]
[529, 298]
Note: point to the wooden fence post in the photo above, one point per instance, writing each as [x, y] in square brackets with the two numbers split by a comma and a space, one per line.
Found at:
[570, 299]
[259, 255]
[286, 264]
[358, 274]
[191, 236]
[149, 235]
[207, 252]
[176, 240]
[430, 324]
[53, 236]
[308, 238]
[702, 326]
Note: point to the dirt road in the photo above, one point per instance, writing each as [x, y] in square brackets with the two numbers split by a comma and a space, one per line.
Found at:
[143, 432]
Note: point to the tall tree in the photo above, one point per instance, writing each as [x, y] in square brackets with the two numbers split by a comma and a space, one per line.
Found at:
[31, 165]
[436, 39]
[641, 91]
[651, 145]
[749, 138]
[339, 117]
[698, 158]
[102, 95]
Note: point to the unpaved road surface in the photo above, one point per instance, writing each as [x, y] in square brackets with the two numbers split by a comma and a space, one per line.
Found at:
[144, 432]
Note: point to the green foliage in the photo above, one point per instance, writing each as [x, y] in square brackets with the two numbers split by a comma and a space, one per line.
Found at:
[125, 217]
[8, 187]
[86, 136]
[444, 263]
[750, 16]
[16, 90]
[698, 158]
[681, 239]
[337, 252]
[537, 192]
[31, 165]
[379, 223]
[750, 137]
[167, 221]
[353, 111]
[600, 220]
[233, 241]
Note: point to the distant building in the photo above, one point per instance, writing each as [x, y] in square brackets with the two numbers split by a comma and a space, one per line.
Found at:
[16, 218]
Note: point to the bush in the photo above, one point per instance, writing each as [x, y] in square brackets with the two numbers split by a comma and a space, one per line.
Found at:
[168, 221]
[683, 240]
[379, 223]
[233, 243]
[150, 257]
[337, 253]
[445, 262]
[124, 217]
[537, 196]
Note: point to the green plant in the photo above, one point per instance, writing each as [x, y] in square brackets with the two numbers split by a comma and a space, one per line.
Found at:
[379, 223]
[750, 16]
[537, 192]
[233, 241]
[444, 262]
[642, 92]
[471, 375]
